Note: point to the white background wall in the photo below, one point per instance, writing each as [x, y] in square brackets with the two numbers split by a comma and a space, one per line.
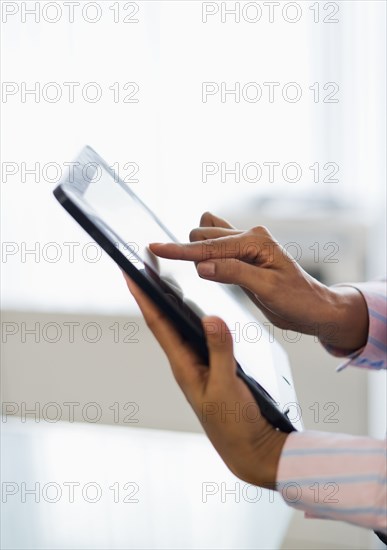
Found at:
[169, 133]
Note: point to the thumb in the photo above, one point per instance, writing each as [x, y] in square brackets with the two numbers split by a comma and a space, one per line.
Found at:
[220, 348]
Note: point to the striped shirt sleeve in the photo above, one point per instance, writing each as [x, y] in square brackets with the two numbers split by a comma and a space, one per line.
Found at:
[337, 476]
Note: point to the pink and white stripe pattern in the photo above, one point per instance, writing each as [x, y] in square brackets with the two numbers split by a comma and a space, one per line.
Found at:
[338, 476]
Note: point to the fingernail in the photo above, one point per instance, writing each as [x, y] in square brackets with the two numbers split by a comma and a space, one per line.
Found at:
[206, 269]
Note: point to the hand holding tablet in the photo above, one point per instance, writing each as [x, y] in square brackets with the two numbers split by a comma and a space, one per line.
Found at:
[251, 450]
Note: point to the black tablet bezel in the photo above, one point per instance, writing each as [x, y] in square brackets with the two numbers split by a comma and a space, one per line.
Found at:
[186, 321]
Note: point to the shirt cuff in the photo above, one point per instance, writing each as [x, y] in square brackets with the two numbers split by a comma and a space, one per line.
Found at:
[373, 354]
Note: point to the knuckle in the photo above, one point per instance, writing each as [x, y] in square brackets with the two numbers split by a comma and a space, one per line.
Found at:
[210, 248]
[178, 375]
[153, 321]
[260, 230]
[206, 219]
[150, 323]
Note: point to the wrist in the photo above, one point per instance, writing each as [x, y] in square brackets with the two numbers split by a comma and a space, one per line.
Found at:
[270, 462]
[347, 326]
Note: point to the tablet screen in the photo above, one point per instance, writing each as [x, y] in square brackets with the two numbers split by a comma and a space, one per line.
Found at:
[117, 211]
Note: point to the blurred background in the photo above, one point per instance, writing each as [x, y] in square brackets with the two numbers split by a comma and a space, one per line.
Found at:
[264, 113]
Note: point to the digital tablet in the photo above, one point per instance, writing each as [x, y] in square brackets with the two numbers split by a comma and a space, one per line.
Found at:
[123, 226]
